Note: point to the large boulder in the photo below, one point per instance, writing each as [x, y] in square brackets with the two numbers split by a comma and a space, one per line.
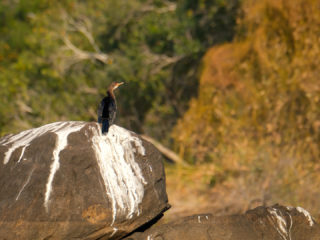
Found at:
[67, 181]
[267, 223]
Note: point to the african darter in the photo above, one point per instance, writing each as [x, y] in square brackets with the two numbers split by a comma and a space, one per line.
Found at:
[108, 107]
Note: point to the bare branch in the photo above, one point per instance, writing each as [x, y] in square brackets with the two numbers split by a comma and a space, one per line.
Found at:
[159, 60]
[83, 55]
[170, 7]
[83, 26]
[135, 14]
[164, 150]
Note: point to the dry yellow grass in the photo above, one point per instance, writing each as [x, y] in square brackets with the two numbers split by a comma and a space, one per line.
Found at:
[256, 120]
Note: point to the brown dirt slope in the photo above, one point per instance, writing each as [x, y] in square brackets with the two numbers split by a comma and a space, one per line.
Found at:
[256, 120]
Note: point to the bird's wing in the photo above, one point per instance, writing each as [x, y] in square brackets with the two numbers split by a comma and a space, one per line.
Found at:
[100, 111]
[112, 109]
[105, 126]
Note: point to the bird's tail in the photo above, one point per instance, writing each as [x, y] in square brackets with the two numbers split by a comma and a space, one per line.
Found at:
[105, 126]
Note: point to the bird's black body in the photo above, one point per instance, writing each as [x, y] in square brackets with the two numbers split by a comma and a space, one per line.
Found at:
[108, 108]
[107, 112]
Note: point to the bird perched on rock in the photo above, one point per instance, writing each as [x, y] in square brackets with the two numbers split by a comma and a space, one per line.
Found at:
[108, 108]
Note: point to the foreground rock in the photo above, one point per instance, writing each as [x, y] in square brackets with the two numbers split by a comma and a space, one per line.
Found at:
[262, 223]
[66, 181]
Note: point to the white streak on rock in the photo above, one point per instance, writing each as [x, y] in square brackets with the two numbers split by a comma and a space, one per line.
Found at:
[22, 152]
[199, 219]
[306, 214]
[122, 176]
[62, 132]
[291, 222]
[23, 139]
[7, 155]
[114, 231]
[207, 217]
[25, 184]
[280, 223]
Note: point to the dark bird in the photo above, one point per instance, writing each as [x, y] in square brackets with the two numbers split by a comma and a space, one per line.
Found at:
[108, 108]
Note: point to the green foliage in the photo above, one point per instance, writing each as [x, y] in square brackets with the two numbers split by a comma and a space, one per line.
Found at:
[154, 47]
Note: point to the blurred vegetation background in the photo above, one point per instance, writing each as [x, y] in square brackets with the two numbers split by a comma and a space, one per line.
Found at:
[233, 86]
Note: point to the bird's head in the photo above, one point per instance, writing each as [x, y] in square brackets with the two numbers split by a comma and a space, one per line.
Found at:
[114, 85]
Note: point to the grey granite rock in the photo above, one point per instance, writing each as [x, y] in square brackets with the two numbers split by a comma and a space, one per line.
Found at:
[67, 181]
[262, 223]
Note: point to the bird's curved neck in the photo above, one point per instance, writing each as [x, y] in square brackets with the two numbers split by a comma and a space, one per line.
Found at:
[110, 93]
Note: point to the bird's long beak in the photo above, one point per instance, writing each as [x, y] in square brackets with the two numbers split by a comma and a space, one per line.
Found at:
[118, 84]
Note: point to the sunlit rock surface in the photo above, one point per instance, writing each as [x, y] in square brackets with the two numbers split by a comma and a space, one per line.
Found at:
[262, 223]
[65, 180]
